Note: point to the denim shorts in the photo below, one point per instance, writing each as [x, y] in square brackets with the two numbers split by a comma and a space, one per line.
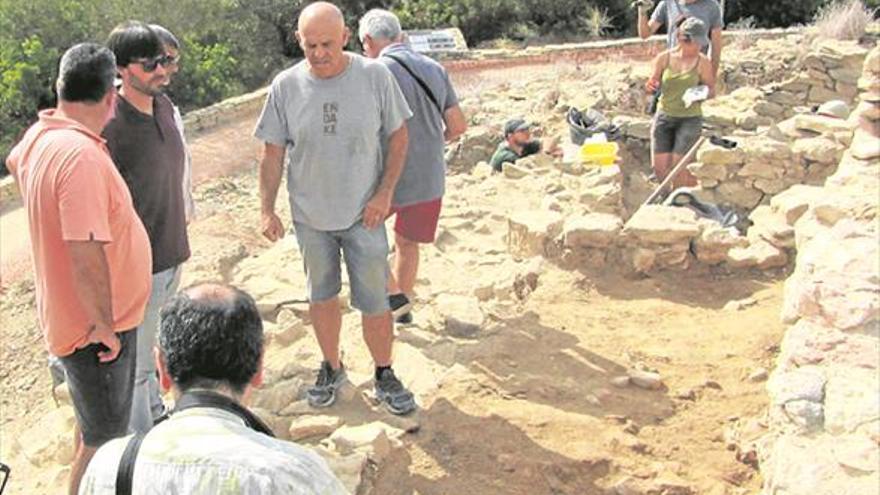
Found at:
[365, 252]
[102, 392]
[676, 134]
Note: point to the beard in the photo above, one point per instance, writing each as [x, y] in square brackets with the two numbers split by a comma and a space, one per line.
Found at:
[151, 87]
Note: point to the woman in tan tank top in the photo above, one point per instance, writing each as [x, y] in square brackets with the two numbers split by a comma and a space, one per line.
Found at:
[677, 125]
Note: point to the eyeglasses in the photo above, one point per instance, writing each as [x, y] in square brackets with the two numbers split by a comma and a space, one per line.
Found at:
[170, 60]
[150, 64]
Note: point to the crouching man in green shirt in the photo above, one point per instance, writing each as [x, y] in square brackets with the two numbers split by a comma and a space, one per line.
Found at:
[518, 143]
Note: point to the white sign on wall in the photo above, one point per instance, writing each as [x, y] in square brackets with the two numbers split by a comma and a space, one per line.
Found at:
[436, 40]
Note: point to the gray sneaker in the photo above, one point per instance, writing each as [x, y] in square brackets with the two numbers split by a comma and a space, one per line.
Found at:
[390, 392]
[323, 393]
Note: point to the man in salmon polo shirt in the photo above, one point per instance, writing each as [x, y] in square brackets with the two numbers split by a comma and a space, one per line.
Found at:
[91, 253]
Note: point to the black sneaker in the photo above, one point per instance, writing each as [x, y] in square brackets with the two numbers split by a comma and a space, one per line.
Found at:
[400, 305]
[323, 393]
[390, 392]
[405, 319]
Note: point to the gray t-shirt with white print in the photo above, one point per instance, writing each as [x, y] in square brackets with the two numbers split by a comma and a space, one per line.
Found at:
[707, 11]
[334, 130]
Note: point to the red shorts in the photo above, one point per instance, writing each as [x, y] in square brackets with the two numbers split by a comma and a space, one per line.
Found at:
[417, 222]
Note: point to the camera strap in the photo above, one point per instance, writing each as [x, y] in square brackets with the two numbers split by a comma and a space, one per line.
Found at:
[189, 400]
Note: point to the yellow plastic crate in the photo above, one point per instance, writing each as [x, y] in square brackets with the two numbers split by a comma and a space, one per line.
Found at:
[599, 153]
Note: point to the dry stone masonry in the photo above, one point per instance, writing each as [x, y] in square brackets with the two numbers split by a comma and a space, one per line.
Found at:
[825, 414]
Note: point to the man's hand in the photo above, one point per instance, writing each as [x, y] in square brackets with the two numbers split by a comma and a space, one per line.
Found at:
[273, 229]
[377, 209]
[101, 334]
[642, 5]
[652, 85]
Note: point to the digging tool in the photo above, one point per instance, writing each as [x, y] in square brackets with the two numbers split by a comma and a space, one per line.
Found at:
[685, 160]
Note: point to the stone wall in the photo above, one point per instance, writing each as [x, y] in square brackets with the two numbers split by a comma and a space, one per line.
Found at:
[780, 143]
[824, 417]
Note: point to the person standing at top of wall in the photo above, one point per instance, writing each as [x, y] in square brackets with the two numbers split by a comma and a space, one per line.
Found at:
[669, 13]
[437, 119]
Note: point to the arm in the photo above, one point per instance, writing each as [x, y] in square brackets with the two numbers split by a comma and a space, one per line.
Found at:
[707, 75]
[715, 52]
[271, 168]
[91, 275]
[456, 124]
[658, 64]
[379, 205]
[646, 27]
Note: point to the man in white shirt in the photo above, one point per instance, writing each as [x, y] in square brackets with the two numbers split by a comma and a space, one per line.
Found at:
[209, 354]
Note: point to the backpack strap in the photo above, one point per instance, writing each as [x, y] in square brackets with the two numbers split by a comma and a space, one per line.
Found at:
[125, 473]
[419, 80]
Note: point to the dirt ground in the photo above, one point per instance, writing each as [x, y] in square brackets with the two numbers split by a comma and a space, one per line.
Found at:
[531, 408]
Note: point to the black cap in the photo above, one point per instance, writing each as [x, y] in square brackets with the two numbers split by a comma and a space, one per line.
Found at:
[515, 125]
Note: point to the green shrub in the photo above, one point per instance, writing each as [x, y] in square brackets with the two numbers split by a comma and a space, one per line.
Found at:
[208, 74]
[479, 20]
[25, 86]
[777, 13]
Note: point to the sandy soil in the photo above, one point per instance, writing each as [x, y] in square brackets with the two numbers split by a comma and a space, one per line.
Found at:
[530, 408]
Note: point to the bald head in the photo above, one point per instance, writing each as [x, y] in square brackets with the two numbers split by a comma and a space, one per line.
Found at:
[321, 13]
[211, 335]
[322, 35]
[212, 293]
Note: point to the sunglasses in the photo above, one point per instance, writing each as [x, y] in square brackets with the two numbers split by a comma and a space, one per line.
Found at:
[150, 64]
[686, 38]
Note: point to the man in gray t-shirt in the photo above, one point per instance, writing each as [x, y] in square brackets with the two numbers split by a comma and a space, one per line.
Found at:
[670, 13]
[341, 119]
[437, 119]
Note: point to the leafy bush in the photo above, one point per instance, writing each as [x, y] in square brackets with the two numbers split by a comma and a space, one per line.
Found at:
[24, 86]
[210, 75]
[479, 20]
[777, 13]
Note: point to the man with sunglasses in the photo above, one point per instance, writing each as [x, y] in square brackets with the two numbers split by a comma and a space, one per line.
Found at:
[670, 13]
[171, 48]
[149, 152]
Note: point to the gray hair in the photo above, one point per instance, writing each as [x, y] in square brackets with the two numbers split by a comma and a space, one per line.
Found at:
[379, 24]
[85, 73]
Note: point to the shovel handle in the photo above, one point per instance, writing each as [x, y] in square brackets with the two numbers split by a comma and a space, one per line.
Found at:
[675, 171]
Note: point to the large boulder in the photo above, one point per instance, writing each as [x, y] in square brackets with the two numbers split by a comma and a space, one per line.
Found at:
[758, 254]
[655, 224]
[715, 241]
[837, 279]
[532, 232]
[819, 149]
[603, 198]
[272, 277]
[794, 202]
[593, 230]
[821, 124]
[477, 144]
